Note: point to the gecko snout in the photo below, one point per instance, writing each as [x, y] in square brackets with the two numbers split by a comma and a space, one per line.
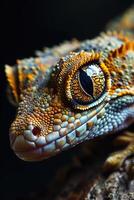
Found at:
[28, 145]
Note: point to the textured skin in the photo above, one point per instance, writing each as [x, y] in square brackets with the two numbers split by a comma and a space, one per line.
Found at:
[54, 110]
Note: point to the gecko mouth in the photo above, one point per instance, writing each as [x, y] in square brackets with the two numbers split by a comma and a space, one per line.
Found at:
[29, 150]
[31, 147]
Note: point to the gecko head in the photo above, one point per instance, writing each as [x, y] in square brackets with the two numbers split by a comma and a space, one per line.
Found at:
[72, 106]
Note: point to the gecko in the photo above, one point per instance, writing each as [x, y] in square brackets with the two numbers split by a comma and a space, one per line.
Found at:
[77, 91]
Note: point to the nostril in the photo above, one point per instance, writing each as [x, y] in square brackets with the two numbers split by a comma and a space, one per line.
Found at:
[36, 131]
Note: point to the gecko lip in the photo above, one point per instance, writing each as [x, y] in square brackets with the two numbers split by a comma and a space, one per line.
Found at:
[31, 147]
[34, 148]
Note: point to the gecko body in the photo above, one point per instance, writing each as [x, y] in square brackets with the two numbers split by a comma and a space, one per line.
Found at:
[71, 93]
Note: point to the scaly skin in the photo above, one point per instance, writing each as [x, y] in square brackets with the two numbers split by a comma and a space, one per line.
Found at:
[72, 93]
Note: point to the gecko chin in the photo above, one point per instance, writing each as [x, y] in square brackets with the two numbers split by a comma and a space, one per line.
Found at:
[29, 147]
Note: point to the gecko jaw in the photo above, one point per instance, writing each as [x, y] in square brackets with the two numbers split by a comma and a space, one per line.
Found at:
[30, 147]
[34, 144]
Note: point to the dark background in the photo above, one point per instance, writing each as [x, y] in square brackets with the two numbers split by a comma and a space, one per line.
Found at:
[26, 26]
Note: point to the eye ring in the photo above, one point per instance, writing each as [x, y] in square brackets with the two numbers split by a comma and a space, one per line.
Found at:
[70, 68]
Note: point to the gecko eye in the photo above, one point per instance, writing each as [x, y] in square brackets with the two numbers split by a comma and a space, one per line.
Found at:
[86, 80]
[88, 84]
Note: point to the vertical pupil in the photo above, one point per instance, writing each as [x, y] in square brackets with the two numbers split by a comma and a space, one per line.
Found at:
[86, 82]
